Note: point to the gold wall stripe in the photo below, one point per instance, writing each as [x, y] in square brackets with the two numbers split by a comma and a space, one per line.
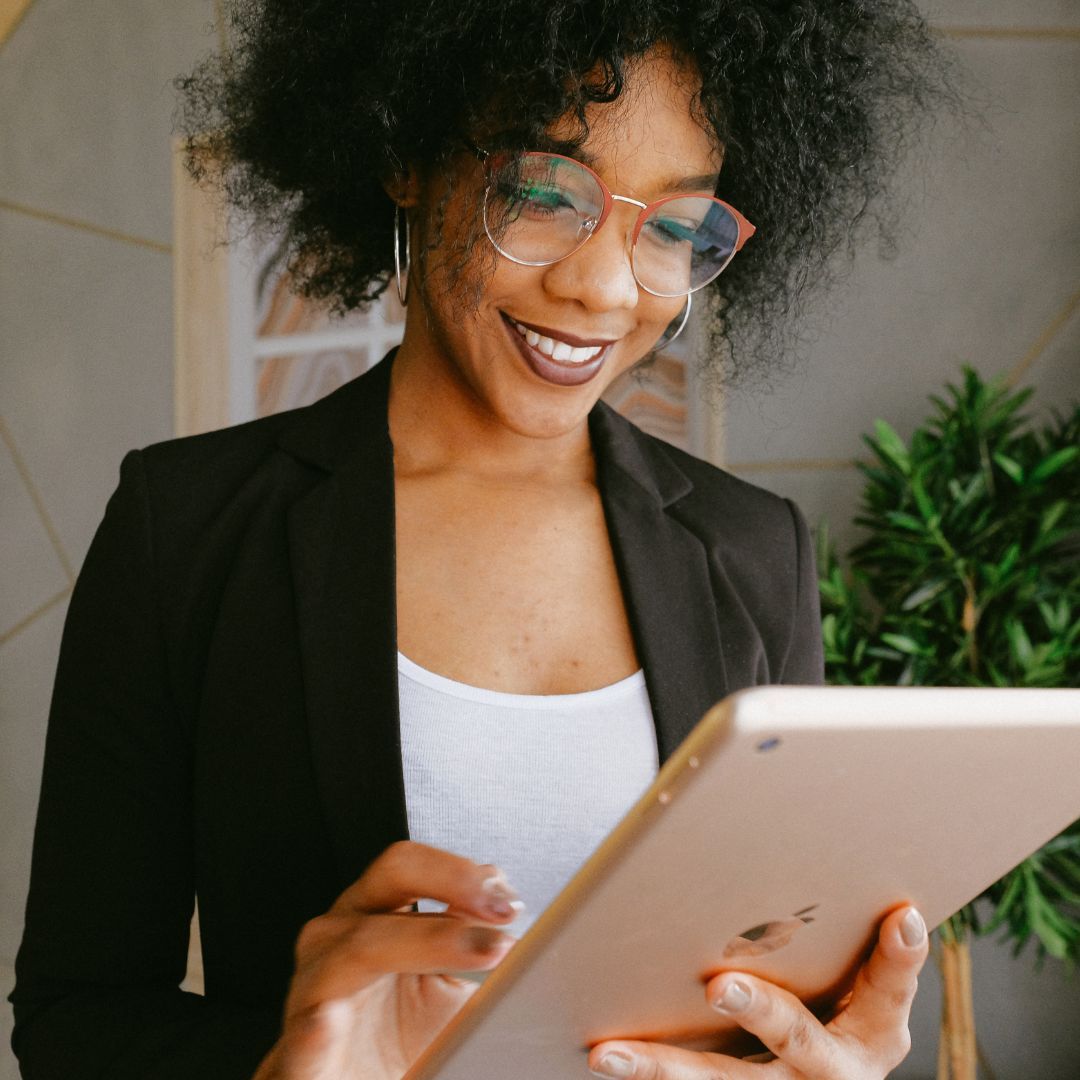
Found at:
[85, 226]
[39, 503]
[1044, 339]
[1040, 345]
[11, 13]
[34, 615]
[1013, 33]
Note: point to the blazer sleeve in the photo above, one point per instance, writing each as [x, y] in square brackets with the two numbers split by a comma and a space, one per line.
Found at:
[804, 663]
[111, 886]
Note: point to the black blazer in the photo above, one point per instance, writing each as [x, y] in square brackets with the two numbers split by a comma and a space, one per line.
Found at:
[224, 720]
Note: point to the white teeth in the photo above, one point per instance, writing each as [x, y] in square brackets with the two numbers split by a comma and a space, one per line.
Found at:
[558, 350]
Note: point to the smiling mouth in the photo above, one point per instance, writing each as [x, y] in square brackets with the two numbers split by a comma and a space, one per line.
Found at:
[575, 351]
[555, 361]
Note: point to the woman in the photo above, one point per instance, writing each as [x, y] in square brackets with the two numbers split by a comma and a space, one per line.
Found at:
[300, 647]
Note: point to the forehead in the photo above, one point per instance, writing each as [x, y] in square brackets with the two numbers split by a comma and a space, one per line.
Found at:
[648, 137]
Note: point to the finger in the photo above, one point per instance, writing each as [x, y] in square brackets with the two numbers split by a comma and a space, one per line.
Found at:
[657, 1061]
[885, 986]
[781, 1021]
[407, 871]
[356, 950]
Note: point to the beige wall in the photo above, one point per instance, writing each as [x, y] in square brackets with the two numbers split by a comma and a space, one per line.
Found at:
[989, 273]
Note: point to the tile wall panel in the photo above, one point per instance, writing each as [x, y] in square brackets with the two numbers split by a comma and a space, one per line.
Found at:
[88, 107]
[87, 324]
[991, 255]
[32, 572]
[1002, 13]
[9, 1067]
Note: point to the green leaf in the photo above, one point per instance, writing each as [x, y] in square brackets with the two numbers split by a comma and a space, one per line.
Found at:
[1020, 643]
[1054, 463]
[905, 644]
[1052, 515]
[1013, 468]
[1056, 618]
[891, 446]
[923, 501]
[906, 521]
[922, 594]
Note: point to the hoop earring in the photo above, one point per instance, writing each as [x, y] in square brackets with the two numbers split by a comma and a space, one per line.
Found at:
[402, 290]
[665, 341]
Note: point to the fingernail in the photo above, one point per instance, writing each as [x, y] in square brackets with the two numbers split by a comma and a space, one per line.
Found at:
[502, 901]
[735, 998]
[614, 1063]
[912, 928]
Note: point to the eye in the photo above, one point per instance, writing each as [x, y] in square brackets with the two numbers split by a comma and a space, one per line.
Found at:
[671, 232]
[535, 200]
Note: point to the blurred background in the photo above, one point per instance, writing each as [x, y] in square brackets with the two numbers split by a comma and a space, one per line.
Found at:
[120, 326]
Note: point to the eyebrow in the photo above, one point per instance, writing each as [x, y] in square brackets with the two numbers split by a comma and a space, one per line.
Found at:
[672, 184]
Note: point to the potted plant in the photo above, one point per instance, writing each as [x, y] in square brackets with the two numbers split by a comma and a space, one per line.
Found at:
[969, 575]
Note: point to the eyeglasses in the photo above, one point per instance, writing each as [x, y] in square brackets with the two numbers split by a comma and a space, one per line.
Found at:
[540, 208]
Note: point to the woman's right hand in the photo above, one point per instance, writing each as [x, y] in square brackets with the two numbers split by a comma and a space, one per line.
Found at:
[370, 989]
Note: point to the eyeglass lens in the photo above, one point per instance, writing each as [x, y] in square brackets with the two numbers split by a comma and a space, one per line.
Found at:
[541, 208]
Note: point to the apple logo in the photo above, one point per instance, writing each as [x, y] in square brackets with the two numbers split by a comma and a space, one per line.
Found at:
[769, 936]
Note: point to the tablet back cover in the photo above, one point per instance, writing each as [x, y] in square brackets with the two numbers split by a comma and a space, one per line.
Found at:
[785, 824]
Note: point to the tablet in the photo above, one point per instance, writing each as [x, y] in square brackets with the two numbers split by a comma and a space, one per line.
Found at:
[788, 821]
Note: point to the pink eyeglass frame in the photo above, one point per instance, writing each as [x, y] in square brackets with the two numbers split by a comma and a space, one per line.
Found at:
[744, 227]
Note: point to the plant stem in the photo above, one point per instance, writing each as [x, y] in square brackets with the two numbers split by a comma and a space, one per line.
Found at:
[958, 1019]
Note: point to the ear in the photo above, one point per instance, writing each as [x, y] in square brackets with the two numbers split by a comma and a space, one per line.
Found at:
[403, 187]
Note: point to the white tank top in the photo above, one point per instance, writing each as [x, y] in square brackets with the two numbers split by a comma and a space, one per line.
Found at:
[531, 783]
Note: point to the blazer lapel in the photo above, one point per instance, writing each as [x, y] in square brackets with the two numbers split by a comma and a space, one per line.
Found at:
[341, 543]
[664, 572]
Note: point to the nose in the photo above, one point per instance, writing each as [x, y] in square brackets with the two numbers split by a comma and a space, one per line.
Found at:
[599, 274]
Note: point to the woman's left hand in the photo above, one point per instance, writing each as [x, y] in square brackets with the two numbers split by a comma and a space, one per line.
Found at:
[864, 1041]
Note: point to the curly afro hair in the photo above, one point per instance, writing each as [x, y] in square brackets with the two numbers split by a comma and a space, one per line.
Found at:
[317, 102]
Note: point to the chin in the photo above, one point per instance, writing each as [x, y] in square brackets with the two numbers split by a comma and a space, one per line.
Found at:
[546, 420]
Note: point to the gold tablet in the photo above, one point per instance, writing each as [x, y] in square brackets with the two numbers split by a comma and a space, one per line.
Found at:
[785, 825]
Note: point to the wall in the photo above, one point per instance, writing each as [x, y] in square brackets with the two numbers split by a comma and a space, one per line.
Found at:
[988, 273]
[85, 338]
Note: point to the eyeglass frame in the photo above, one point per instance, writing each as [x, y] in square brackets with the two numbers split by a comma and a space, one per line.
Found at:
[610, 198]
